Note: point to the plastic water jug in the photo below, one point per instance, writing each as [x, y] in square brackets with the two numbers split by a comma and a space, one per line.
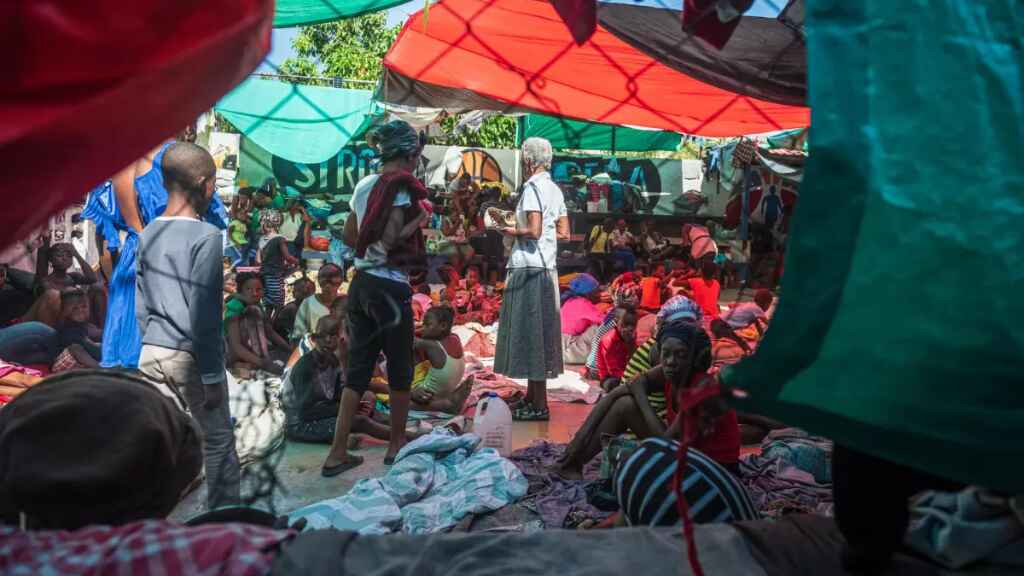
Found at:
[493, 423]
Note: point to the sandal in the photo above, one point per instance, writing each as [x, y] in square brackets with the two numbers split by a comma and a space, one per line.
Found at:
[528, 413]
[351, 462]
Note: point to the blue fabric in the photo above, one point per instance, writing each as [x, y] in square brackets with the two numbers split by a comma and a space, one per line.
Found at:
[122, 341]
[436, 481]
[101, 208]
[583, 285]
[680, 308]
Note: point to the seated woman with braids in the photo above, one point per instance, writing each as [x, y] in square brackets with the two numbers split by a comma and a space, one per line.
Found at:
[684, 356]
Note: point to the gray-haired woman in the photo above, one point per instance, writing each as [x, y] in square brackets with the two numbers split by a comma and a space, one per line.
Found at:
[529, 331]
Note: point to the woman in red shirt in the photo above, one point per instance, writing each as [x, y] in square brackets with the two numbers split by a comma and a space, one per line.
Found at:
[647, 406]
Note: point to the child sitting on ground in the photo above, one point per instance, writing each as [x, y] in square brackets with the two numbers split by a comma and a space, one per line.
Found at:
[615, 349]
[252, 341]
[77, 340]
[312, 391]
[284, 319]
[437, 382]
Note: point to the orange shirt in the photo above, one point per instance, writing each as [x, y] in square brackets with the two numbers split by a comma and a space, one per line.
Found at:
[705, 294]
[650, 293]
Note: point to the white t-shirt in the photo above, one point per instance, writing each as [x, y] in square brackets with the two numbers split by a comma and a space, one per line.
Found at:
[376, 259]
[540, 194]
[290, 226]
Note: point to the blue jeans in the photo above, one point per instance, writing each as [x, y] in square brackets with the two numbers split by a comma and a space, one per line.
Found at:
[28, 343]
[627, 258]
[742, 270]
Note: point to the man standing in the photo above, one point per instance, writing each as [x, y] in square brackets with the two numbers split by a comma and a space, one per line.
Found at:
[180, 309]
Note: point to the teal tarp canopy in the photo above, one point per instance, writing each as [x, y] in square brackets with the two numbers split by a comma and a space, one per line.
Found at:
[898, 332]
[307, 124]
[290, 13]
[577, 135]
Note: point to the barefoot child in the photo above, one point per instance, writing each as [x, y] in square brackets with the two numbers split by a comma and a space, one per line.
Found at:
[437, 385]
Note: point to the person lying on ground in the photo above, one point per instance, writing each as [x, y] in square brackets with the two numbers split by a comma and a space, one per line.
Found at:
[252, 341]
[726, 347]
[437, 384]
[685, 355]
[615, 349]
[284, 319]
[749, 320]
[78, 341]
[330, 279]
[581, 318]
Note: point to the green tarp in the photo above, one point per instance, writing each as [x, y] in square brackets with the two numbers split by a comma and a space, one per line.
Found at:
[290, 13]
[899, 329]
[307, 124]
[575, 135]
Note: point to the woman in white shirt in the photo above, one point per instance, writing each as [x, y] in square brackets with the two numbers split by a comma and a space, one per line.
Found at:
[529, 331]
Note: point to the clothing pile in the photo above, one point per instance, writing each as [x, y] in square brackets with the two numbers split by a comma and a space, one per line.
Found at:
[436, 481]
[968, 527]
[793, 473]
[561, 503]
[12, 385]
[258, 414]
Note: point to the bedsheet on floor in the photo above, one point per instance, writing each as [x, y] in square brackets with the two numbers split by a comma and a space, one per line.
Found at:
[560, 503]
[436, 481]
[791, 474]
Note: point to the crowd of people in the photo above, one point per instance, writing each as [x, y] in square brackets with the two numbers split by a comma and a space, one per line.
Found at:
[194, 290]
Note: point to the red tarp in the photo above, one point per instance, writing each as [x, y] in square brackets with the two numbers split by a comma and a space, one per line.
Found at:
[519, 53]
[97, 84]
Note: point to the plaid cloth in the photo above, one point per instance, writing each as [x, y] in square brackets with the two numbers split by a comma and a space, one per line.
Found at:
[64, 362]
[153, 547]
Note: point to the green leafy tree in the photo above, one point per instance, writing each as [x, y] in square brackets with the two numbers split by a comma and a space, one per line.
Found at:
[354, 49]
[351, 49]
[494, 132]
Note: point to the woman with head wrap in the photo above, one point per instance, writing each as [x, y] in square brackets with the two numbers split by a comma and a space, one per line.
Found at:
[684, 354]
[384, 228]
[274, 258]
[678, 308]
[580, 318]
[529, 345]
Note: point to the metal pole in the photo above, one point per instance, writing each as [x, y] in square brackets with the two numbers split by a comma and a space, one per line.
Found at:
[745, 205]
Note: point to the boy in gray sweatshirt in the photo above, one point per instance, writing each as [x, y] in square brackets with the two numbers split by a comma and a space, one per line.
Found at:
[179, 304]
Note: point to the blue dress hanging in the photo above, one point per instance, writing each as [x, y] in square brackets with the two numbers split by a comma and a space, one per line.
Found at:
[122, 338]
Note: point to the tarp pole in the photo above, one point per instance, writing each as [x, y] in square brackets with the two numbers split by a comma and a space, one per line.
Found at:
[745, 205]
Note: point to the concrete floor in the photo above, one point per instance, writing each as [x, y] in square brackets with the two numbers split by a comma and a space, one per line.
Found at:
[298, 471]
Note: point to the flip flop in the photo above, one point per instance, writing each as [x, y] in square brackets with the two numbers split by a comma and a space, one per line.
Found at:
[531, 414]
[389, 461]
[351, 462]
